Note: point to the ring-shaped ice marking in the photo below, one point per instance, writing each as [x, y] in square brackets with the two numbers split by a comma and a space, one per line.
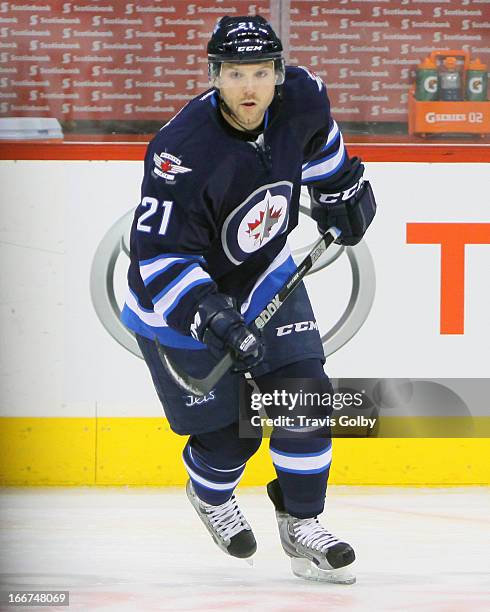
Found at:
[114, 243]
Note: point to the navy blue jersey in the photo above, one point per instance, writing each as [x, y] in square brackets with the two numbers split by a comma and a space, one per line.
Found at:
[217, 206]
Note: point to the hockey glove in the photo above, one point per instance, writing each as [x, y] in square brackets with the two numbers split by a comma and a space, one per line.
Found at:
[218, 324]
[351, 208]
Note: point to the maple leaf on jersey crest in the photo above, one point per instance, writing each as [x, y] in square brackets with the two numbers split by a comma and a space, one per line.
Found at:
[261, 227]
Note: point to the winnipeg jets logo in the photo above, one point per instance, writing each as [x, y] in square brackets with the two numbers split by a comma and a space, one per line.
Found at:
[260, 229]
[168, 166]
[262, 216]
[263, 221]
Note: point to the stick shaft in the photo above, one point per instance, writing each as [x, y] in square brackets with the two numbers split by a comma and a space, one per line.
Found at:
[202, 386]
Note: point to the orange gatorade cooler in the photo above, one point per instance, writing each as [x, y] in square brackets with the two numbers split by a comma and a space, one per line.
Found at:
[461, 105]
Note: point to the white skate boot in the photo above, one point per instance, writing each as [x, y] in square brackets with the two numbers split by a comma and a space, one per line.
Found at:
[226, 524]
[315, 553]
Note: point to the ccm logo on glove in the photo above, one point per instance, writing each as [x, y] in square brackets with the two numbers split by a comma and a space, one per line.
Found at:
[250, 339]
[341, 196]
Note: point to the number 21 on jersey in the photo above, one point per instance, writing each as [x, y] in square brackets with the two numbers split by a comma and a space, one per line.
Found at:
[152, 205]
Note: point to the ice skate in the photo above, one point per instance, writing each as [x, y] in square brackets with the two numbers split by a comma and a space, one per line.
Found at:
[226, 524]
[315, 553]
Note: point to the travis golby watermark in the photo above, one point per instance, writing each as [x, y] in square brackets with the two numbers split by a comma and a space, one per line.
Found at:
[304, 421]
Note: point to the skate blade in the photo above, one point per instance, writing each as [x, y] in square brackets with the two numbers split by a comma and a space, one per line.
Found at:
[306, 569]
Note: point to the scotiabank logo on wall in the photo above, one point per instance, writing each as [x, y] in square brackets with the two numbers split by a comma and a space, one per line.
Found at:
[145, 59]
[453, 239]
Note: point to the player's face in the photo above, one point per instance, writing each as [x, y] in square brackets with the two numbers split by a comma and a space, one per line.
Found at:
[248, 90]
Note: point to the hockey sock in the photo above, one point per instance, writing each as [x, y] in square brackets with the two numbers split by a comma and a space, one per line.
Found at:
[212, 485]
[302, 468]
[302, 461]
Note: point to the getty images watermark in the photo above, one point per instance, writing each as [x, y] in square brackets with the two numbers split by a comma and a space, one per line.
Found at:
[310, 406]
[305, 407]
[366, 407]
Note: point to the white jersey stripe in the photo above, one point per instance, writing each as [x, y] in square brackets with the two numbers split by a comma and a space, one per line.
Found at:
[169, 298]
[150, 318]
[332, 135]
[325, 167]
[159, 266]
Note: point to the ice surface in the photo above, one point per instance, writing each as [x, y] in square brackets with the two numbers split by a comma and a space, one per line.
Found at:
[145, 549]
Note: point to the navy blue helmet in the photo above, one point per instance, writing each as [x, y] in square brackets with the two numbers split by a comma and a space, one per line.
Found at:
[248, 39]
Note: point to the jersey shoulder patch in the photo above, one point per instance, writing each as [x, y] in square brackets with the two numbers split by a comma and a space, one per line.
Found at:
[177, 150]
[168, 166]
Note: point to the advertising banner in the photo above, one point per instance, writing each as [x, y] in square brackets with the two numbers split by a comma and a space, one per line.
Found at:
[143, 60]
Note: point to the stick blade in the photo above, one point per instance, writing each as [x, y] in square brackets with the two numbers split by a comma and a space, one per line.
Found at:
[195, 386]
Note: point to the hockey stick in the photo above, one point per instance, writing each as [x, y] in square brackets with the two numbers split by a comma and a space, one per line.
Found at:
[202, 386]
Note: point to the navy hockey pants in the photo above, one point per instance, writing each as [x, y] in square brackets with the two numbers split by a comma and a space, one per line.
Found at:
[292, 336]
[215, 455]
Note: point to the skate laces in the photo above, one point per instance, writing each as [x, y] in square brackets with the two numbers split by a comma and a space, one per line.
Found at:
[227, 519]
[310, 533]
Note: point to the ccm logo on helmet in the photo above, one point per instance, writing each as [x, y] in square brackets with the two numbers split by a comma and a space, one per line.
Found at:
[250, 48]
[301, 326]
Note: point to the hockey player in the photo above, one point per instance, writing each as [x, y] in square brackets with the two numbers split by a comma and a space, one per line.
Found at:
[209, 249]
